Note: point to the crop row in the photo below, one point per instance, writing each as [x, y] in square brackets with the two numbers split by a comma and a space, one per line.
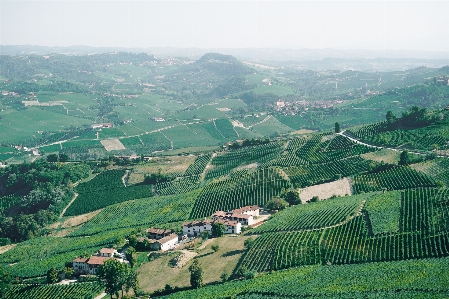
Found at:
[104, 180]
[313, 216]
[92, 201]
[146, 211]
[392, 179]
[425, 210]
[255, 154]
[307, 175]
[198, 166]
[255, 188]
[275, 251]
[370, 280]
[70, 291]
[349, 243]
[181, 185]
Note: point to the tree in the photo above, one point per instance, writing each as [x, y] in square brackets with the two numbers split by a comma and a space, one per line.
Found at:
[215, 247]
[248, 243]
[5, 281]
[52, 275]
[404, 158]
[224, 276]
[292, 197]
[218, 229]
[337, 127]
[130, 252]
[132, 240]
[276, 203]
[113, 275]
[315, 199]
[52, 158]
[390, 117]
[63, 158]
[68, 272]
[196, 275]
[130, 281]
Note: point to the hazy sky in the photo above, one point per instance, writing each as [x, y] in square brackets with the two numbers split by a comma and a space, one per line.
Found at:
[376, 25]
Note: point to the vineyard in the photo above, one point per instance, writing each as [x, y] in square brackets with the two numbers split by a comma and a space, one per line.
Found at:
[332, 149]
[241, 189]
[180, 185]
[275, 251]
[141, 212]
[384, 212]
[34, 257]
[225, 162]
[92, 201]
[427, 138]
[401, 279]
[198, 165]
[307, 175]
[395, 225]
[103, 190]
[314, 215]
[392, 179]
[70, 291]
[438, 169]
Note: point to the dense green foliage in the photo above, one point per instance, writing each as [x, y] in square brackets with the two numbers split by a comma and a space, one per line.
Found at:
[392, 179]
[70, 291]
[105, 189]
[344, 281]
[384, 212]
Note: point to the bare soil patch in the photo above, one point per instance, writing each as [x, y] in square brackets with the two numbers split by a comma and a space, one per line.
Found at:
[326, 190]
[167, 165]
[80, 219]
[385, 155]
[5, 248]
[112, 144]
[301, 132]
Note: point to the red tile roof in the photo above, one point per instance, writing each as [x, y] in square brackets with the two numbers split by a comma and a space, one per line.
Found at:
[158, 231]
[107, 250]
[167, 238]
[97, 260]
[80, 260]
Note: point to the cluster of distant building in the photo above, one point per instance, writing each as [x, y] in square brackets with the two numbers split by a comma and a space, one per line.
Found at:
[232, 220]
[296, 107]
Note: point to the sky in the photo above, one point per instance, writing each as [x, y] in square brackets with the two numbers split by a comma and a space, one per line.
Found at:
[374, 25]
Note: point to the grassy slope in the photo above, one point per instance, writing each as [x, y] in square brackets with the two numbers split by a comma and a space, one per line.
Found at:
[157, 273]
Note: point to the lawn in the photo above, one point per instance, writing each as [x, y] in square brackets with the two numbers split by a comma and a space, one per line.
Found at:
[156, 274]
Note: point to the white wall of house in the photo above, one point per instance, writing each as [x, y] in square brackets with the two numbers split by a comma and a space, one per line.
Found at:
[170, 244]
[233, 229]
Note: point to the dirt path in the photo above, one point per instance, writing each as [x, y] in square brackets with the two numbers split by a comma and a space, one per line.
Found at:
[65, 209]
[208, 166]
[101, 296]
[261, 122]
[124, 177]
[342, 133]
[171, 142]
[215, 125]
[5, 248]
